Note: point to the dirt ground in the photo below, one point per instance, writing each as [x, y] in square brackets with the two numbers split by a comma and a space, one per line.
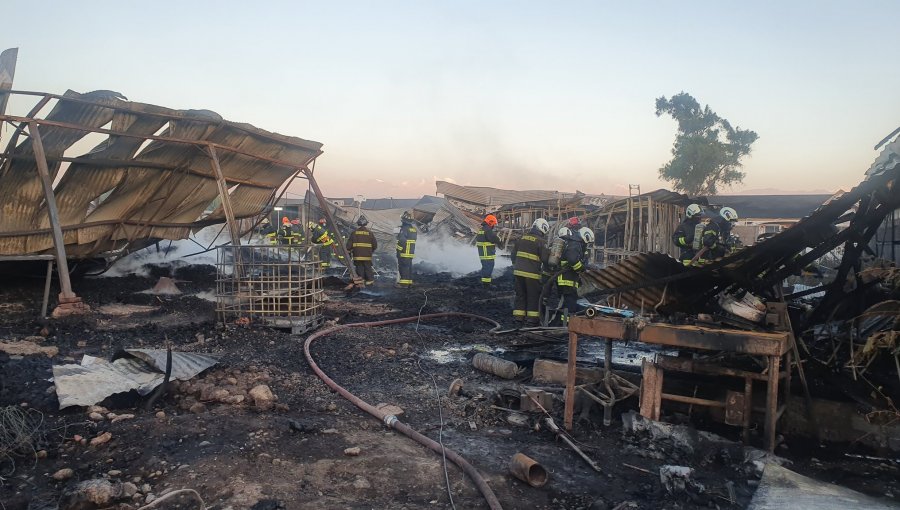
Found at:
[240, 454]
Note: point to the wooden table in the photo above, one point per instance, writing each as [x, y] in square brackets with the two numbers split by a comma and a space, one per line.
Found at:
[774, 346]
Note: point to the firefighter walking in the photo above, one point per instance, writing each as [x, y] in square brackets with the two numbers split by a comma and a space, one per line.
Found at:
[406, 249]
[362, 245]
[529, 255]
[486, 241]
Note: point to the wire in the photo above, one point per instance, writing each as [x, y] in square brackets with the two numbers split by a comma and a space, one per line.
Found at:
[172, 494]
[419, 317]
[437, 394]
[440, 431]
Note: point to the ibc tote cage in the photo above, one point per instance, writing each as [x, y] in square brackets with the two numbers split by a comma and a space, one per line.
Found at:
[278, 286]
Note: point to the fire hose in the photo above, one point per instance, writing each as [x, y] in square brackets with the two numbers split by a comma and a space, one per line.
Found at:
[392, 421]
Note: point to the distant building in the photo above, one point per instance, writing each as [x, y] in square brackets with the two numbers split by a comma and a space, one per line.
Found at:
[766, 215]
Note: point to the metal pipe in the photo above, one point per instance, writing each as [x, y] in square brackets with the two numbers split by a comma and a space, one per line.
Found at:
[528, 470]
[389, 419]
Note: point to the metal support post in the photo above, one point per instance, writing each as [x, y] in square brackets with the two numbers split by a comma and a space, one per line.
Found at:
[226, 199]
[68, 301]
[331, 223]
[46, 302]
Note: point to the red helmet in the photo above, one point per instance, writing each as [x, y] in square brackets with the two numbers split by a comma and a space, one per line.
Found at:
[573, 221]
[491, 220]
[295, 222]
[321, 221]
[285, 220]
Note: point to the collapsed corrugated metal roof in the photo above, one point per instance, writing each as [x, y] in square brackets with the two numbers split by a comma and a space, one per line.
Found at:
[655, 279]
[495, 198]
[150, 176]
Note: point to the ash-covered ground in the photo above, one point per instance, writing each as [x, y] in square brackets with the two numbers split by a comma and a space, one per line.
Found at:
[238, 451]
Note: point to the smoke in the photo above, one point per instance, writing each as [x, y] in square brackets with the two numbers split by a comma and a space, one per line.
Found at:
[437, 253]
[174, 255]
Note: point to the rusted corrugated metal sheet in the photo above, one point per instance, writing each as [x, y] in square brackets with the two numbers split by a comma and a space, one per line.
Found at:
[151, 177]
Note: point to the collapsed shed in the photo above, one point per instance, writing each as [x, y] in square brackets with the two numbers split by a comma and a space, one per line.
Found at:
[88, 175]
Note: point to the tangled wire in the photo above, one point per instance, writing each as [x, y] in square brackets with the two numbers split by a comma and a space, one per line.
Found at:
[20, 431]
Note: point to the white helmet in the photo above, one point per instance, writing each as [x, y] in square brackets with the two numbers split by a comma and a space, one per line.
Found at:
[587, 235]
[728, 213]
[563, 232]
[693, 210]
[542, 225]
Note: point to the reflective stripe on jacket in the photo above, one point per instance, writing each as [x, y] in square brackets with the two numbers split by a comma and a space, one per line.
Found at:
[572, 262]
[486, 241]
[529, 254]
[362, 244]
[406, 241]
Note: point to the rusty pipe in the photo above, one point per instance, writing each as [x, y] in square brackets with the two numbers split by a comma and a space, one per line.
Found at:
[528, 470]
[389, 419]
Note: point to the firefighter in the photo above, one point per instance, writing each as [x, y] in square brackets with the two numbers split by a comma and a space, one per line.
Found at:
[406, 249]
[269, 232]
[286, 232]
[717, 238]
[319, 235]
[298, 231]
[327, 245]
[486, 241]
[361, 245]
[689, 234]
[529, 255]
[572, 263]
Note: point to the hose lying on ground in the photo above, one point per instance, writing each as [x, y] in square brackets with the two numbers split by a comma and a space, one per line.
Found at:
[389, 419]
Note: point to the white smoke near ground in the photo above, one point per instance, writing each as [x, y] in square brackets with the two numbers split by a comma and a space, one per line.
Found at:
[173, 254]
[444, 254]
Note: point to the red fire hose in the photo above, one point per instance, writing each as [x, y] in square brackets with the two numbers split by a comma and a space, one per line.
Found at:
[389, 419]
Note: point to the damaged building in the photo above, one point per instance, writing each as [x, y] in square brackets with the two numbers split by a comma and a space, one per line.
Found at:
[271, 381]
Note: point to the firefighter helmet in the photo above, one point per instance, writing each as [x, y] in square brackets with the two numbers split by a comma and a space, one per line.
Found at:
[728, 213]
[285, 220]
[587, 235]
[491, 220]
[573, 221]
[542, 225]
[693, 210]
[563, 232]
[407, 216]
[362, 221]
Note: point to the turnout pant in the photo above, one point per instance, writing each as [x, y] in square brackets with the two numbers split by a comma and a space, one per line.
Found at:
[365, 270]
[487, 268]
[404, 266]
[325, 255]
[528, 299]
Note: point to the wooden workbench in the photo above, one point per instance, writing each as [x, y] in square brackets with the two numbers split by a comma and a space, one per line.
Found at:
[774, 346]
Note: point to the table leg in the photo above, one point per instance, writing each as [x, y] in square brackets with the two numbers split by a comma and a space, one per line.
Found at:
[772, 401]
[570, 381]
[748, 409]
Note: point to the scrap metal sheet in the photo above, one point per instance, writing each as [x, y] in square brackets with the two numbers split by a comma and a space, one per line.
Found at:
[140, 370]
[783, 489]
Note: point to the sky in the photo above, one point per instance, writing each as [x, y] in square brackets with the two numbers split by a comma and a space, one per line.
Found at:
[518, 95]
